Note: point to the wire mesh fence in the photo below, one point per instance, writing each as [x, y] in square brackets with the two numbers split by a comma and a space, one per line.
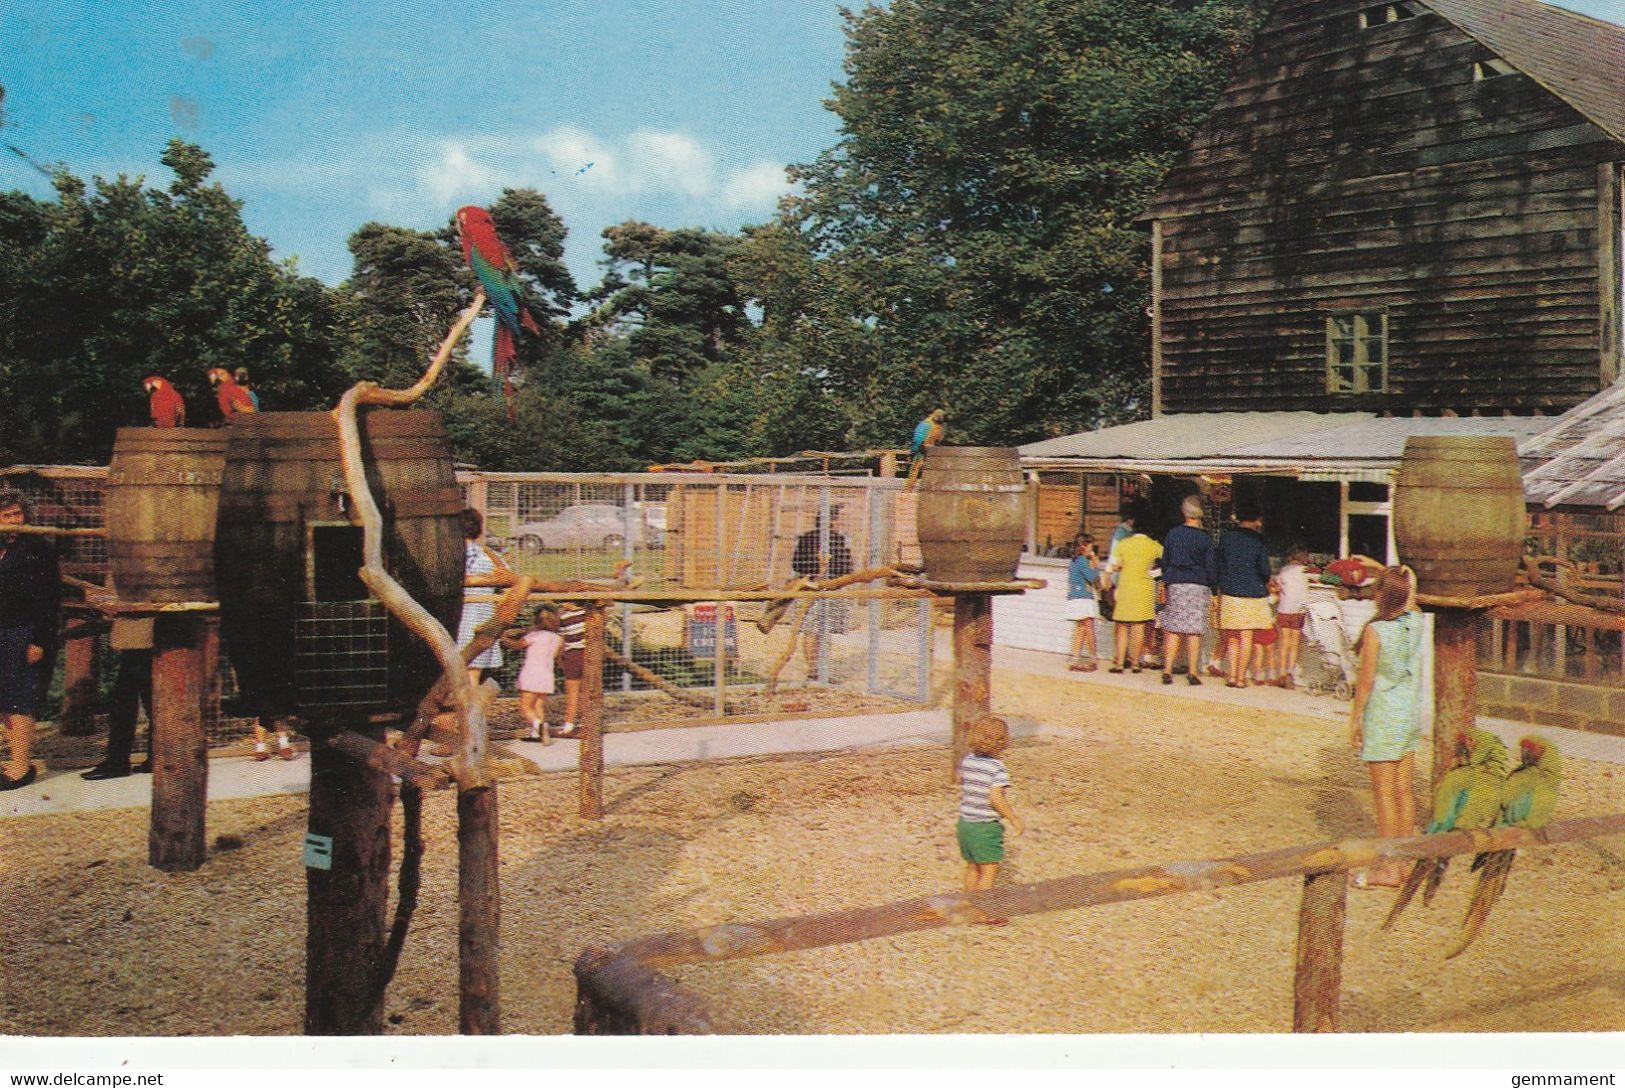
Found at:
[689, 531]
[724, 533]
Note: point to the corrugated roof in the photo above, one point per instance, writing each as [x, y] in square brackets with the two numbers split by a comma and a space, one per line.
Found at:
[1580, 459]
[1351, 445]
[1206, 434]
[1383, 439]
[1576, 57]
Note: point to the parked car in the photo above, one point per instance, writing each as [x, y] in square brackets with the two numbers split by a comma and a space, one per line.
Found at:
[588, 525]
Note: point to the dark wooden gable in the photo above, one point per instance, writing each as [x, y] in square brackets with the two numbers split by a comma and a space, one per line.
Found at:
[1370, 169]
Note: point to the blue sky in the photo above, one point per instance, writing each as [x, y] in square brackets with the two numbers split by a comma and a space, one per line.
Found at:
[322, 116]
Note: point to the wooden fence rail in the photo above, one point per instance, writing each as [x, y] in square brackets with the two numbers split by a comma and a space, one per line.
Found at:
[626, 978]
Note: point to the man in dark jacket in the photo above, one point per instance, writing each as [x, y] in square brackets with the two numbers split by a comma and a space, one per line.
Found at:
[30, 593]
[822, 554]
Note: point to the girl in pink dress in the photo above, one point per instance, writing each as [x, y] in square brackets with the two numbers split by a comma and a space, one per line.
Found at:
[541, 645]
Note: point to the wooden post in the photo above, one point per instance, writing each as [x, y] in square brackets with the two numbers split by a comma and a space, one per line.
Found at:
[1455, 681]
[79, 695]
[591, 724]
[1318, 978]
[180, 755]
[346, 905]
[973, 667]
[479, 913]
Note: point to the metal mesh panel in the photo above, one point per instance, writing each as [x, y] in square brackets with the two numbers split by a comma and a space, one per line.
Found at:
[722, 533]
[68, 498]
[342, 652]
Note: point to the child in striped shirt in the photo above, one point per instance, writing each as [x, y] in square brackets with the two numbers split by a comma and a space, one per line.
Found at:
[982, 803]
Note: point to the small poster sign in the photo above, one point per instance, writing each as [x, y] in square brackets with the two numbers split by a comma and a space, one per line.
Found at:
[702, 631]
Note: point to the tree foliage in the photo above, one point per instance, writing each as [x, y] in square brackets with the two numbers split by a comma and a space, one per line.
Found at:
[116, 281]
[971, 240]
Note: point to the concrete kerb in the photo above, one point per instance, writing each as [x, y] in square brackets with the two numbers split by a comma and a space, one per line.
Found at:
[65, 791]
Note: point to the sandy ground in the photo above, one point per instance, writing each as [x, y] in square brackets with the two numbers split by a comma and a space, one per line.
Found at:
[100, 944]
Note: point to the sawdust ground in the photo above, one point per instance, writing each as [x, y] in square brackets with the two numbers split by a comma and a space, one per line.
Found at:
[101, 944]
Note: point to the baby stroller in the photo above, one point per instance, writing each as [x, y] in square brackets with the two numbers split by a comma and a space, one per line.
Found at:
[1331, 637]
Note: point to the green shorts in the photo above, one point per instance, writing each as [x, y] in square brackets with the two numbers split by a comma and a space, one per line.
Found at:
[982, 841]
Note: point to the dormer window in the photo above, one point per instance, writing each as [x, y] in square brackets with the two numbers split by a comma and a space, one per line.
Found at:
[1492, 69]
[1388, 13]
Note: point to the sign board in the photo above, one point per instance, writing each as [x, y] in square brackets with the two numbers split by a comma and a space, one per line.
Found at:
[702, 631]
[318, 851]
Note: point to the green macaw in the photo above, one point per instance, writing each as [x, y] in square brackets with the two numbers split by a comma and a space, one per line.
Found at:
[1469, 795]
[1528, 799]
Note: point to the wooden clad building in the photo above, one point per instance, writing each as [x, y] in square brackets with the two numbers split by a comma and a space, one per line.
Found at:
[1403, 207]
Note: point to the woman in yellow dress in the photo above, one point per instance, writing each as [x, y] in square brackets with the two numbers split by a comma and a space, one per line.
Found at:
[1131, 562]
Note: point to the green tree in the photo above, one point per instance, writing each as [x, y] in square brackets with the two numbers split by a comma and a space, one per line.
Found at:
[971, 238]
[119, 281]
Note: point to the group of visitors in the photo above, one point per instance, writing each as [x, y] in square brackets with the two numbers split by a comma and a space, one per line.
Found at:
[557, 638]
[1178, 588]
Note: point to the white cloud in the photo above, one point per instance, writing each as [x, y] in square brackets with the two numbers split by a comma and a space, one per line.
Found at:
[670, 161]
[455, 174]
[756, 186]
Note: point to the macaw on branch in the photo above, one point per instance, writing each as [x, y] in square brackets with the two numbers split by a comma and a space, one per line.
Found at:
[166, 405]
[1469, 795]
[234, 399]
[499, 275]
[1528, 799]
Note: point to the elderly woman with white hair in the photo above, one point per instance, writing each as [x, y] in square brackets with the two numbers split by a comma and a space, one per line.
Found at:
[1190, 572]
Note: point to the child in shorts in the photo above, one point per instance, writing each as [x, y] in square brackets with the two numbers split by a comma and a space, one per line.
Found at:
[541, 644]
[1291, 611]
[1082, 604]
[982, 803]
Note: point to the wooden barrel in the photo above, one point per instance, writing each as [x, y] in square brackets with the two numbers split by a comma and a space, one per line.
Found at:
[1459, 518]
[162, 489]
[971, 518]
[303, 633]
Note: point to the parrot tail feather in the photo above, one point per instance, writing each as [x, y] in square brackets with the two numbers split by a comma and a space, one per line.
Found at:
[1408, 890]
[1492, 881]
[502, 353]
[1435, 878]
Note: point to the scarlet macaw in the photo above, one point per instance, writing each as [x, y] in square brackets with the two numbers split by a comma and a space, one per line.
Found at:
[234, 399]
[499, 275]
[1528, 799]
[167, 407]
[1469, 795]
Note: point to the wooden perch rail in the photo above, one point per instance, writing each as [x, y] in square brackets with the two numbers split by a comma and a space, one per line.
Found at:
[620, 989]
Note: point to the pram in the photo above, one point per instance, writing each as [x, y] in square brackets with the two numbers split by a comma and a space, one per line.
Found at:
[1333, 627]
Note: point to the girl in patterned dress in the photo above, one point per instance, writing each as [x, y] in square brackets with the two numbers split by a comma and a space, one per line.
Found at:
[482, 570]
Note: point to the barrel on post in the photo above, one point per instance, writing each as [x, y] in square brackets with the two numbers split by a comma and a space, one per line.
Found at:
[163, 486]
[1459, 518]
[972, 513]
[305, 635]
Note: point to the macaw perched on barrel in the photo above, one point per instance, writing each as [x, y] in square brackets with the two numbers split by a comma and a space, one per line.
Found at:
[165, 404]
[1528, 799]
[928, 432]
[1469, 795]
[234, 400]
[499, 275]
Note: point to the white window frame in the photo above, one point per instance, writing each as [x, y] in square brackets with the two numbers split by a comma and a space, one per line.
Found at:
[1366, 328]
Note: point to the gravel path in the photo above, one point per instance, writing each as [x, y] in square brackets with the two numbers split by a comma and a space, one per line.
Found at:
[100, 944]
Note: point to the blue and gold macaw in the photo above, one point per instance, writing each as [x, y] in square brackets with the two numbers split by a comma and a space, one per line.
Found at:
[1528, 799]
[1469, 795]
